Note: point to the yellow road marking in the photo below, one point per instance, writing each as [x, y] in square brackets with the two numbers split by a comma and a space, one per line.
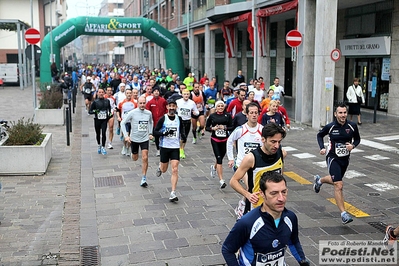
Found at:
[297, 178]
[351, 209]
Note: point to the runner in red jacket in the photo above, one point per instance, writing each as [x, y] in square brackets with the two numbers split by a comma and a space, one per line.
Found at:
[157, 106]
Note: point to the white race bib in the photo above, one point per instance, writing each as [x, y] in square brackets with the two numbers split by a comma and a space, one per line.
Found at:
[143, 126]
[185, 112]
[249, 146]
[221, 133]
[102, 115]
[174, 134]
[275, 258]
[87, 91]
[200, 107]
[341, 150]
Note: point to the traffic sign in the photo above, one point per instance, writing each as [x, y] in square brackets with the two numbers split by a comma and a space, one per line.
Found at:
[37, 51]
[335, 55]
[32, 36]
[293, 38]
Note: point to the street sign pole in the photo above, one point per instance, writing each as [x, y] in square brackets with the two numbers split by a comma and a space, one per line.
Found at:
[293, 54]
[33, 77]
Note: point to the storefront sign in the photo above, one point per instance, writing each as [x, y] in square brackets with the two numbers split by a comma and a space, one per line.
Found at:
[366, 46]
[386, 69]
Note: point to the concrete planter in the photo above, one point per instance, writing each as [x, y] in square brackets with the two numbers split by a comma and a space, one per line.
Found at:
[26, 160]
[49, 116]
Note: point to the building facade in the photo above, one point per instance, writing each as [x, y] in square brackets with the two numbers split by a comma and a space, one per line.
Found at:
[220, 37]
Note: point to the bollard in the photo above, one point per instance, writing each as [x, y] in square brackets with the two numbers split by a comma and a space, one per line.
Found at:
[74, 97]
[67, 124]
[70, 116]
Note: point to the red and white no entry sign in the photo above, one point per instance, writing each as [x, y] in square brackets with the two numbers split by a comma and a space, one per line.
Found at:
[293, 38]
[32, 36]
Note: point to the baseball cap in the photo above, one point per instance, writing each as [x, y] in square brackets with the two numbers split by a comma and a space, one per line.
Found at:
[88, 77]
[236, 88]
[242, 84]
[122, 84]
[171, 100]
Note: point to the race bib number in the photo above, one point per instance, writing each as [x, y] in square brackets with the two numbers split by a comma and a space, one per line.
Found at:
[185, 112]
[87, 90]
[275, 258]
[341, 150]
[249, 146]
[102, 115]
[200, 107]
[143, 126]
[221, 133]
[172, 135]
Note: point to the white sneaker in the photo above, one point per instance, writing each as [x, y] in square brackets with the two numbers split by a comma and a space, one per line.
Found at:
[158, 153]
[222, 184]
[128, 152]
[123, 152]
[194, 141]
[213, 171]
[110, 146]
[173, 197]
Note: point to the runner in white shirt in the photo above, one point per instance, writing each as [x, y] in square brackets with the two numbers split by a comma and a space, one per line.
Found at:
[247, 138]
[186, 107]
[141, 123]
[120, 96]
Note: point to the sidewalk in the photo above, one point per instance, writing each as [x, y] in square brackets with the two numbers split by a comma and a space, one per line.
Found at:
[91, 207]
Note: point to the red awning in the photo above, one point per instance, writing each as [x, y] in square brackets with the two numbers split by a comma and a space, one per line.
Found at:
[229, 33]
[262, 15]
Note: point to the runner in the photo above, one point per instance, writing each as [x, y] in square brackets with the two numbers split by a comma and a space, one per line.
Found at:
[141, 123]
[125, 107]
[198, 97]
[157, 107]
[87, 89]
[111, 120]
[170, 129]
[261, 236]
[185, 108]
[268, 157]
[101, 108]
[219, 124]
[343, 138]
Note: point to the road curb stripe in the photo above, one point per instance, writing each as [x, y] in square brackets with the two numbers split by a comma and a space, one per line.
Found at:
[297, 178]
[351, 209]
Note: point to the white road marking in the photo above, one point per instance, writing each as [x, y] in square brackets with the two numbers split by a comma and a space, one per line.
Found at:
[321, 164]
[304, 155]
[376, 157]
[387, 138]
[289, 148]
[382, 186]
[357, 150]
[378, 146]
[395, 165]
[352, 173]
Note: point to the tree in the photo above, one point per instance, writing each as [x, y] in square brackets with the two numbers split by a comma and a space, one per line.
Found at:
[9, 26]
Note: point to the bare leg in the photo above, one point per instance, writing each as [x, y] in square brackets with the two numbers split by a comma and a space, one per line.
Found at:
[144, 158]
[339, 195]
[175, 174]
[219, 169]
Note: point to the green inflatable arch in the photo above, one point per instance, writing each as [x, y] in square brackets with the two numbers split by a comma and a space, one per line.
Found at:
[119, 26]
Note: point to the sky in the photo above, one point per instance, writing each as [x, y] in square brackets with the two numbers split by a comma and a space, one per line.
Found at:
[78, 8]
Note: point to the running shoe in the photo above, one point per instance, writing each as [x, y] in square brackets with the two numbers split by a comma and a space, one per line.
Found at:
[389, 239]
[118, 131]
[103, 151]
[182, 154]
[222, 184]
[99, 150]
[143, 182]
[121, 137]
[110, 146]
[316, 186]
[346, 218]
[173, 197]
[128, 152]
[158, 153]
[194, 141]
[123, 152]
[158, 173]
[213, 171]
